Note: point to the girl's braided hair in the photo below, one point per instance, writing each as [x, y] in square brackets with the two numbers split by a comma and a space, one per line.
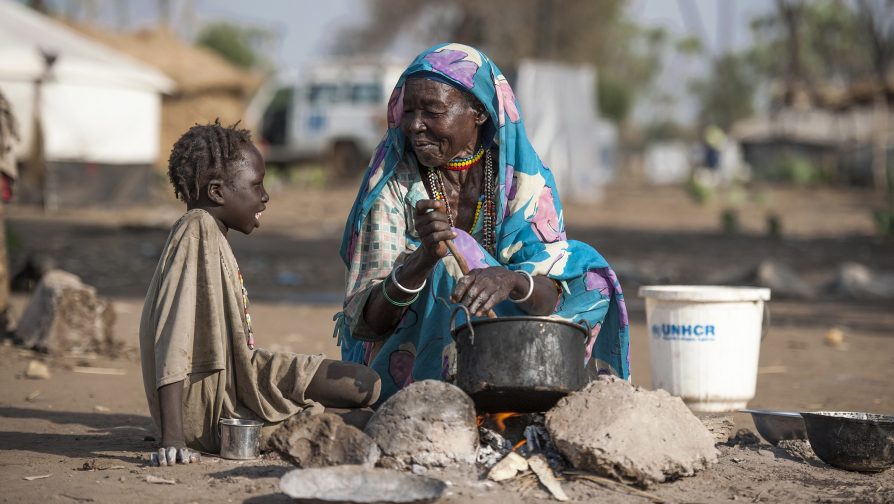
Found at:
[202, 154]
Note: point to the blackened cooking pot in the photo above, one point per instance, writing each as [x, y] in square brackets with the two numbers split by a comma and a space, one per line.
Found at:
[520, 364]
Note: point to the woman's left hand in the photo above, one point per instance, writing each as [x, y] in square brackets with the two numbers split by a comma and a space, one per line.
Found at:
[482, 289]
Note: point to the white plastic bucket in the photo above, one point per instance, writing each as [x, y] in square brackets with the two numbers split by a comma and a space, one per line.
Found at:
[705, 342]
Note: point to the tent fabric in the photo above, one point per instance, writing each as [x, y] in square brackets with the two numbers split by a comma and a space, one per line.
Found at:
[25, 33]
[95, 106]
[560, 107]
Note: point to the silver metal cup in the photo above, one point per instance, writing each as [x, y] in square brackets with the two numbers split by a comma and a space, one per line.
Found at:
[240, 438]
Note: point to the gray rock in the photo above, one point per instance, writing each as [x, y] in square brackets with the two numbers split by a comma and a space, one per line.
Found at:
[430, 423]
[359, 485]
[64, 314]
[630, 434]
[783, 281]
[323, 440]
[859, 282]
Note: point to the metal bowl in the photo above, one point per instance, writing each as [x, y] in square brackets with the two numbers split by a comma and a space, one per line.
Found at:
[774, 426]
[852, 440]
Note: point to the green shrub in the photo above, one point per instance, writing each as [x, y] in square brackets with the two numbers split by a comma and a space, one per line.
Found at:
[796, 169]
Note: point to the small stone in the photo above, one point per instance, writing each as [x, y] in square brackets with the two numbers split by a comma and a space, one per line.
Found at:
[744, 437]
[323, 440]
[798, 448]
[159, 481]
[418, 469]
[37, 370]
[430, 423]
[834, 337]
[101, 409]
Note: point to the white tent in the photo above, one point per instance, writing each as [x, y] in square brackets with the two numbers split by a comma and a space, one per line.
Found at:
[559, 105]
[97, 105]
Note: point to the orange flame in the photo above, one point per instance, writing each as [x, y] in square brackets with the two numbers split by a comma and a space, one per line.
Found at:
[519, 444]
[500, 419]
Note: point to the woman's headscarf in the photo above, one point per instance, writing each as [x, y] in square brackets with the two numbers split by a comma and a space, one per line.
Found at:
[530, 228]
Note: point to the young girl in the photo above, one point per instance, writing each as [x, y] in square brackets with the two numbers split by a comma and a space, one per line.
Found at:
[196, 342]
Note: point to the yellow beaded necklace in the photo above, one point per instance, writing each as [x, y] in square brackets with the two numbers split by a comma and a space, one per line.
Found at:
[464, 164]
[437, 186]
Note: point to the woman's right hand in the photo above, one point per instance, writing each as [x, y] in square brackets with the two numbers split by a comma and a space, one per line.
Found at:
[433, 228]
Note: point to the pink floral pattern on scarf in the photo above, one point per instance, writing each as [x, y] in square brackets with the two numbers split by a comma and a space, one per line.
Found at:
[395, 107]
[546, 221]
[506, 101]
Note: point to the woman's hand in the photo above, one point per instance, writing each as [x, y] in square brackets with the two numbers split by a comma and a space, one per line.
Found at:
[433, 228]
[481, 289]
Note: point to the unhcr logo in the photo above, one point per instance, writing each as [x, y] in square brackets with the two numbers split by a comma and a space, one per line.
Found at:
[684, 332]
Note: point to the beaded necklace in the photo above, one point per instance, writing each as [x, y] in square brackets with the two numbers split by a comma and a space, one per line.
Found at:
[249, 334]
[485, 202]
[463, 164]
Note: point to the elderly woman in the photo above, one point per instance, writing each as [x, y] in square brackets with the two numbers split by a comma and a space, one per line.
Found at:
[456, 164]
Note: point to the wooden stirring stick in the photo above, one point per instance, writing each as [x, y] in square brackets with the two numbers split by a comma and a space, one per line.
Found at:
[464, 267]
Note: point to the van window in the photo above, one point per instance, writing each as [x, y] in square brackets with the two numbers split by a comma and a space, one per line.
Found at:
[276, 116]
[366, 93]
[323, 93]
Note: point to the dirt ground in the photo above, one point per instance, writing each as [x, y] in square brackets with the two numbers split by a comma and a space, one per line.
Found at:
[76, 421]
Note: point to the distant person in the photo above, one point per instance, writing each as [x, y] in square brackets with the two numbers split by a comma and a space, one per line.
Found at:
[456, 164]
[714, 141]
[197, 346]
[9, 139]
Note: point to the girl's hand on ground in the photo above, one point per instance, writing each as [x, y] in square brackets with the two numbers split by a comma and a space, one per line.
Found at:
[172, 456]
[481, 289]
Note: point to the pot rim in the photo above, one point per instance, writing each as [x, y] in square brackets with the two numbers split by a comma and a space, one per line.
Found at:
[519, 318]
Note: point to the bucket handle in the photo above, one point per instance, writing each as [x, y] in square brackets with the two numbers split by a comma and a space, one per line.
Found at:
[765, 323]
[453, 314]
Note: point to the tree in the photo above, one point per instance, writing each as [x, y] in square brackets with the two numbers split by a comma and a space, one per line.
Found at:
[575, 31]
[878, 19]
[810, 47]
[727, 94]
[239, 45]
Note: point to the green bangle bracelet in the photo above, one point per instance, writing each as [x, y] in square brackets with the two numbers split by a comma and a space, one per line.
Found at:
[399, 304]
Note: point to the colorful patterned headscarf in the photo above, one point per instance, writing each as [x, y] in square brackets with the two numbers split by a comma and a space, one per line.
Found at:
[530, 229]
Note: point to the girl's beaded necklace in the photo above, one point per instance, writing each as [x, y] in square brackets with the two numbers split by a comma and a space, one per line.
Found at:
[249, 334]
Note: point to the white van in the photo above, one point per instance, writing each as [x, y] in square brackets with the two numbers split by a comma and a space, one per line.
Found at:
[335, 112]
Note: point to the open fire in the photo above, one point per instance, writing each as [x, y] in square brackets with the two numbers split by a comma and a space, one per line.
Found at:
[523, 433]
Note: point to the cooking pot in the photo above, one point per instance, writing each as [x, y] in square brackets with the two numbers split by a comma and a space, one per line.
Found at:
[520, 364]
